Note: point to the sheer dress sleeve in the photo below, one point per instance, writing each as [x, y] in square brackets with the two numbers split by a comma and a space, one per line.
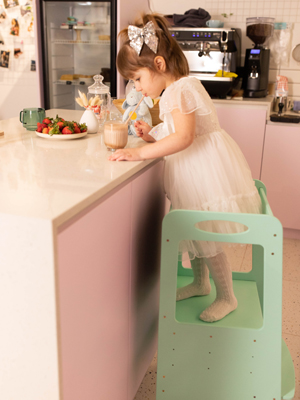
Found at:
[187, 96]
[159, 132]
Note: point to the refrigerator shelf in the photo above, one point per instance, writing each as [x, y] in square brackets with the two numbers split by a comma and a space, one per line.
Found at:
[76, 82]
[77, 27]
[101, 42]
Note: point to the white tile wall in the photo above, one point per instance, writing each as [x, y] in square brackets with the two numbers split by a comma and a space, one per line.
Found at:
[281, 10]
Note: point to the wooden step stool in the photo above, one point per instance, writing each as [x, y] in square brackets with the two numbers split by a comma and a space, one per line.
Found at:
[243, 356]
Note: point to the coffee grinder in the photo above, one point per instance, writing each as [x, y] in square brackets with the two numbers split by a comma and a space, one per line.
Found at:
[257, 59]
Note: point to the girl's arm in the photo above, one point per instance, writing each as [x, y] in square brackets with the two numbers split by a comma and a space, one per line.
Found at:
[179, 140]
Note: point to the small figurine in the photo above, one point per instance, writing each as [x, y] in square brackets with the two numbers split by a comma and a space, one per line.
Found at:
[142, 112]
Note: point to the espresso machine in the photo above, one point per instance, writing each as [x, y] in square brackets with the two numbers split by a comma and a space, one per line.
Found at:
[257, 59]
[209, 50]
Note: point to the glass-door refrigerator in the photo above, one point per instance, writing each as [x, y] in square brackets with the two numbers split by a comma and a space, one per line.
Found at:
[77, 41]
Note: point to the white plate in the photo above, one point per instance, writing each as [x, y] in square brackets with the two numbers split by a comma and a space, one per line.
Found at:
[61, 137]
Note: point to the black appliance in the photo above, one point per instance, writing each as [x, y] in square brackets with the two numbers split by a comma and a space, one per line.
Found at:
[257, 59]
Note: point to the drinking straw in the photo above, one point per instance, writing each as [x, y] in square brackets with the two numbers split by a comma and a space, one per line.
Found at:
[130, 114]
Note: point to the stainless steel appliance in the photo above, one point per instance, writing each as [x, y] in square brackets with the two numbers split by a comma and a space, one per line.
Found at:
[209, 50]
[78, 41]
[256, 69]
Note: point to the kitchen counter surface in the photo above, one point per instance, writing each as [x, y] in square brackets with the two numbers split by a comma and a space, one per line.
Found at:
[56, 179]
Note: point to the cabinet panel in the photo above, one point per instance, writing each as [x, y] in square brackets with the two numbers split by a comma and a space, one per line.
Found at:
[148, 204]
[108, 290]
[93, 287]
[247, 127]
[280, 173]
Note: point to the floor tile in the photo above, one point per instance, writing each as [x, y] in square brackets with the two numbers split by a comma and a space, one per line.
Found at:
[147, 389]
[293, 344]
[291, 260]
[291, 307]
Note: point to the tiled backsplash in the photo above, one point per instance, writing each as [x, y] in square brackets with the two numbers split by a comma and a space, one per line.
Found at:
[282, 11]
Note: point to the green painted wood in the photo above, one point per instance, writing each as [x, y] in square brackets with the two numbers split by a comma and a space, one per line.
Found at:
[238, 357]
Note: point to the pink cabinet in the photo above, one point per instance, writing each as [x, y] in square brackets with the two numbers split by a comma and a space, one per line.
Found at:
[246, 125]
[280, 172]
[108, 261]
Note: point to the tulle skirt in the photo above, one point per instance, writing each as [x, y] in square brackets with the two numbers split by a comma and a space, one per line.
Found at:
[211, 175]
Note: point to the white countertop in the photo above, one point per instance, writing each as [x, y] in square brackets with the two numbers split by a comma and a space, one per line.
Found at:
[56, 179]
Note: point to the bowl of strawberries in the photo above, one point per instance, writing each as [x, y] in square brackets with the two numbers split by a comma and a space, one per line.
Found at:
[58, 128]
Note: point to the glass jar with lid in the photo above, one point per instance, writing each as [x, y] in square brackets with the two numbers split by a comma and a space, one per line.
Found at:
[98, 89]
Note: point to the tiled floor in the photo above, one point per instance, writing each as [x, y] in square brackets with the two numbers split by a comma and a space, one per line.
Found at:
[240, 258]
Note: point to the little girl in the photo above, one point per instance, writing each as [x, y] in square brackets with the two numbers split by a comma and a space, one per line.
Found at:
[204, 168]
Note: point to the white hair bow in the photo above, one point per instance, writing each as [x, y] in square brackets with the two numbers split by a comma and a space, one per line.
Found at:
[139, 36]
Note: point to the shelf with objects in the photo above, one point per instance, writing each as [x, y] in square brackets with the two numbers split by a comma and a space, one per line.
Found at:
[98, 42]
[77, 38]
[243, 355]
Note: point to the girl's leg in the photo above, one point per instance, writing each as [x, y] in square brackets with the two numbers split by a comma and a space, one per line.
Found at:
[201, 284]
[225, 301]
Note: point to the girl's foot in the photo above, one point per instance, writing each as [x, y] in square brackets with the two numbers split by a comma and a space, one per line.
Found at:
[218, 310]
[192, 290]
[201, 284]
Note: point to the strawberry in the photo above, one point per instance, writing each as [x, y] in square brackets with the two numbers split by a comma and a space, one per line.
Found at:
[60, 124]
[47, 120]
[77, 129]
[39, 129]
[45, 130]
[67, 130]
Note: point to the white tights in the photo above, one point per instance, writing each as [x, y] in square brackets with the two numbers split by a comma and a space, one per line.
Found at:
[220, 271]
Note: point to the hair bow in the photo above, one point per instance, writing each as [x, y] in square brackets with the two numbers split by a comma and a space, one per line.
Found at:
[139, 36]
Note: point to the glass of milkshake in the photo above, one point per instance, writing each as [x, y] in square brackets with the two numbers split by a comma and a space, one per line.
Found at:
[115, 135]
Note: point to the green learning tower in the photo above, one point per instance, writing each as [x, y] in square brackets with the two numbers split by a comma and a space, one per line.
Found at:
[243, 356]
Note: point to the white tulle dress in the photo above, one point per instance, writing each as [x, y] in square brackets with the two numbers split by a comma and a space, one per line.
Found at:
[212, 174]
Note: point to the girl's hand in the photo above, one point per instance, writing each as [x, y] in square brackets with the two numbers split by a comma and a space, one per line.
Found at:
[142, 130]
[126, 154]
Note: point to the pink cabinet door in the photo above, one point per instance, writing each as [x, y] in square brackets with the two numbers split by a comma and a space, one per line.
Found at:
[93, 277]
[108, 261]
[280, 173]
[247, 127]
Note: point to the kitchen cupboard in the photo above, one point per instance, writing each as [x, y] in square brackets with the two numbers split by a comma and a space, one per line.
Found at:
[280, 173]
[79, 259]
[246, 125]
[108, 290]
